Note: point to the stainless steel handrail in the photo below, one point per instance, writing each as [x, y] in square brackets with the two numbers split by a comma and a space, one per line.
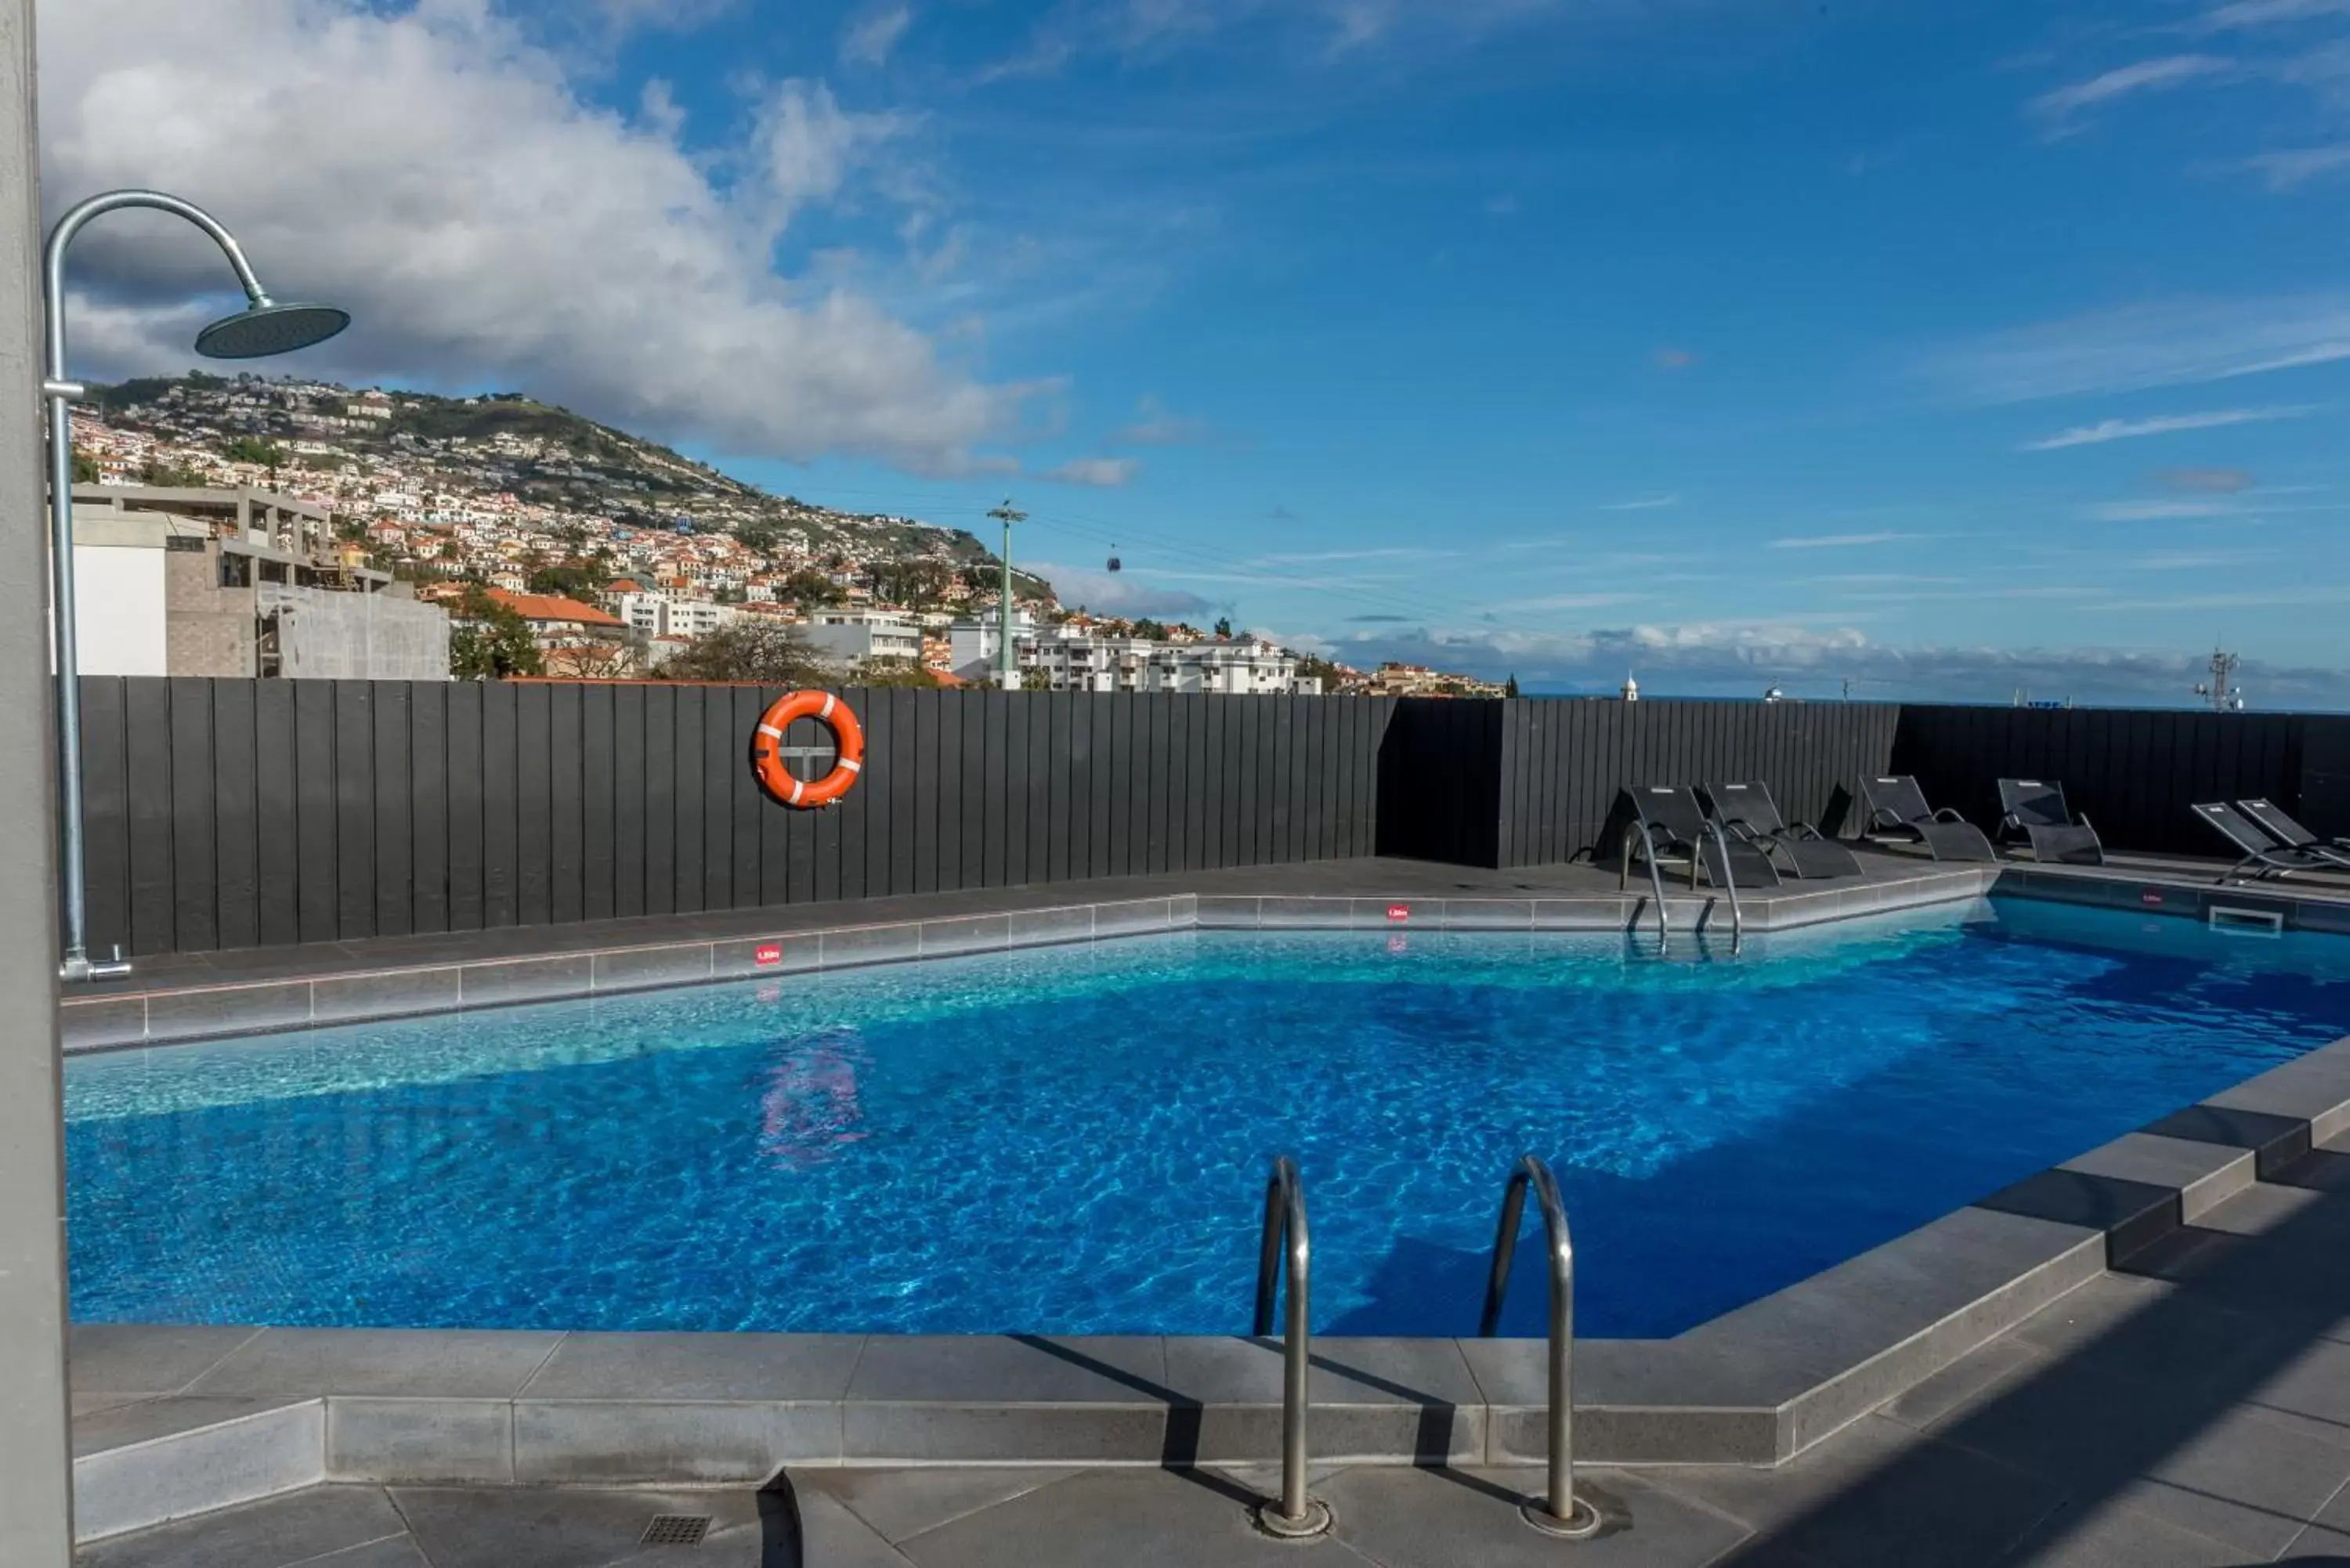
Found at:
[1656, 878]
[1729, 881]
[1561, 1513]
[1285, 1222]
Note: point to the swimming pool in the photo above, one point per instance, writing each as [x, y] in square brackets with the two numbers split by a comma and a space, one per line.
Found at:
[1073, 1139]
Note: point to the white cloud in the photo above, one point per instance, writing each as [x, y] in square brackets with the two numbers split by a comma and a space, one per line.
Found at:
[2267, 12]
[1573, 601]
[2161, 424]
[2195, 560]
[869, 40]
[1838, 541]
[2059, 107]
[442, 177]
[1722, 659]
[805, 145]
[1099, 472]
[1392, 553]
[2161, 511]
[1641, 503]
[2261, 600]
[1156, 425]
[2179, 343]
[2286, 170]
[1116, 593]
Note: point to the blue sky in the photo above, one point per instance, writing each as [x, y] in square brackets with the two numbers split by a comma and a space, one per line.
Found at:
[1949, 349]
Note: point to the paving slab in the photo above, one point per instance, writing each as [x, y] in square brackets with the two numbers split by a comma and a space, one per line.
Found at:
[1120, 1519]
[273, 1533]
[900, 1503]
[677, 1366]
[147, 1358]
[536, 1527]
[2113, 1536]
[1444, 1518]
[460, 1363]
[1877, 1493]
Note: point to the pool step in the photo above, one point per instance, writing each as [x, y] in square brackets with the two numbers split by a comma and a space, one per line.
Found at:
[152, 1461]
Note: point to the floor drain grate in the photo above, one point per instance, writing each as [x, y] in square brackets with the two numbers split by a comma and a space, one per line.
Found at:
[676, 1530]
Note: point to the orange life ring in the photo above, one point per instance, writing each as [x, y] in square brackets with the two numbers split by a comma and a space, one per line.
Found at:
[766, 750]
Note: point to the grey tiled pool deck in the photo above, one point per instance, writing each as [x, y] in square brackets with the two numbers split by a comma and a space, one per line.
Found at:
[2141, 1355]
[2188, 1409]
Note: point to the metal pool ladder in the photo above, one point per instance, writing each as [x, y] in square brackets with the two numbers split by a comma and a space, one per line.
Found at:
[1561, 1514]
[1656, 880]
[1729, 881]
[1297, 1515]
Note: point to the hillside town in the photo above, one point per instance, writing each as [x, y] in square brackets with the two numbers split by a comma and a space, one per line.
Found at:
[590, 553]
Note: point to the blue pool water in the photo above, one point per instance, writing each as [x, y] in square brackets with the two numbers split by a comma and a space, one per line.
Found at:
[1073, 1140]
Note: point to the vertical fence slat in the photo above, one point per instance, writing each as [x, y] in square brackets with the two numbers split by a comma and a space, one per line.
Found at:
[566, 810]
[237, 828]
[468, 808]
[428, 774]
[314, 783]
[195, 924]
[394, 872]
[106, 828]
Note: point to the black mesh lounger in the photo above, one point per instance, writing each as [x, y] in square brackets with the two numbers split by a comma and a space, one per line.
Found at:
[2271, 820]
[1670, 828]
[1897, 806]
[2037, 809]
[2263, 854]
[1748, 815]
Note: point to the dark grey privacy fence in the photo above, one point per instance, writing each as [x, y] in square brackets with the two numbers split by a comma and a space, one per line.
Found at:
[2133, 771]
[1564, 765]
[230, 813]
[227, 814]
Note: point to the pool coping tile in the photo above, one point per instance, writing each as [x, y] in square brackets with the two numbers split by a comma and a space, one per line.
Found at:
[459, 1363]
[680, 1366]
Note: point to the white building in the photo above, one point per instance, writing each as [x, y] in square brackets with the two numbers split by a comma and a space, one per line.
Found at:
[974, 639]
[856, 635]
[1071, 658]
[658, 614]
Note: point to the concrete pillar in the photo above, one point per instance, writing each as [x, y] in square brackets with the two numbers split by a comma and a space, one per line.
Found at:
[36, 1464]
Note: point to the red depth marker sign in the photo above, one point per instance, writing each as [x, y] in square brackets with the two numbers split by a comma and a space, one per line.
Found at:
[766, 955]
[2150, 896]
[1399, 912]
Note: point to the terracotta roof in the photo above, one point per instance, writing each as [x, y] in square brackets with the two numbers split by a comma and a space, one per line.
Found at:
[553, 607]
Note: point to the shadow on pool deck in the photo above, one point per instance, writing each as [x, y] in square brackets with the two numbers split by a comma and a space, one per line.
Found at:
[2193, 1407]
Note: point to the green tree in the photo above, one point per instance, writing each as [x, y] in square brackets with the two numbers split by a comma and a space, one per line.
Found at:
[1510, 687]
[917, 583]
[759, 534]
[1150, 628]
[760, 651]
[895, 672]
[572, 579]
[1224, 627]
[84, 468]
[809, 588]
[1322, 669]
[491, 641]
[171, 475]
[256, 449]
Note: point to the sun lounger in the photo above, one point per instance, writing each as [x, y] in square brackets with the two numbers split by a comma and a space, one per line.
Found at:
[1748, 815]
[2037, 809]
[1896, 807]
[2264, 855]
[1670, 828]
[2271, 820]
